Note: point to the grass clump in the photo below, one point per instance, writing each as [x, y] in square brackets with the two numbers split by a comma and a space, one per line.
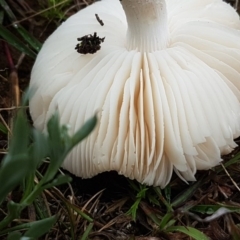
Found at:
[55, 9]
[19, 170]
[184, 214]
[15, 34]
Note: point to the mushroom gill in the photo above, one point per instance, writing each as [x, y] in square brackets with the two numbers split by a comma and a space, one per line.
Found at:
[166, 84]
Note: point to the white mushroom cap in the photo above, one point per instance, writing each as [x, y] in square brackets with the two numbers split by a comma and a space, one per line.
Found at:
[166, 83]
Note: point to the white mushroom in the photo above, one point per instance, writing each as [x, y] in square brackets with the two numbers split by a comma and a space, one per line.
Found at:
[166, 83]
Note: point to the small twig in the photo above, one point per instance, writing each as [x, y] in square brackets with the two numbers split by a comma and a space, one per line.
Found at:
[13, 77]
[14, 86]
[79, 5]
[86, 3]
[31, 213]
[236, 4]
[91, 199]
[12, 108]
[99, 20]
[3, 78]
[69, 185]
[110, 223]
[234, 183]
[3, 152]
[5, 124]
[22, 56]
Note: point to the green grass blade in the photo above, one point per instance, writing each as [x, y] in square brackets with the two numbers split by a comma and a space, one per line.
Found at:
[11, 178]
[14, 210]
[168, 193]
[61, 179]
[184, 196]
[234, 160]
[3, 129]
[21, 131]
[211, 209]
[163, 200]
[86, 233]
[1, 16]
[16, 157]
[39, 148]
[33, 42]
[84, 131]
[14, 236]
[8, 10]
[80, 212]
[192, 232]
[39, 228]
[14, 41]
[165, 220]
[150, 213]
[20, 227]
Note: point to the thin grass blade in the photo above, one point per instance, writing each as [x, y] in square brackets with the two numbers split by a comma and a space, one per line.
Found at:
[184, 196]
[86, 233]
[211, 209]
[191, 232]
[14, 41]
[8, 10]
[33, 42]
[3, 129]
[39, 228]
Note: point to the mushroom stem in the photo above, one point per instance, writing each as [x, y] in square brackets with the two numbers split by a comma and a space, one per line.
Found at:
[147, 24]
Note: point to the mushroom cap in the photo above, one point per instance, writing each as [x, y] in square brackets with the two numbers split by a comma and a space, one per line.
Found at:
[174, 109]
